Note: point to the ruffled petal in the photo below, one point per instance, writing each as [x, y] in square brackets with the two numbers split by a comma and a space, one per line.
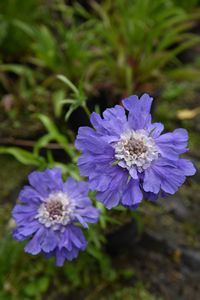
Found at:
[132, 195]
[88, 140]
[34, 245]
[133, 173]
[88, 162]
[152, 181]
[47, 181]
[29, 228]
[186, 166]
[139, 111]
[155, 129]
[89, 214]
[17, 235]
[50, 241]
[72, 254]
[64, 239]
[115, 120]
[29, 194]
[77, 237]
[76, 189]
[24, 214]
[173, 143]
[60, 257]
[151, 196]
[165, 175]
[109, 186]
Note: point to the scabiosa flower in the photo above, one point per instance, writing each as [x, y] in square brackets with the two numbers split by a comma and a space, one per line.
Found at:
[127, 158]
[50, 213]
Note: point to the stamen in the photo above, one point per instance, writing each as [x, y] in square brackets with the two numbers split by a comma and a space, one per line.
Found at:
[136, 148]
[56, 210]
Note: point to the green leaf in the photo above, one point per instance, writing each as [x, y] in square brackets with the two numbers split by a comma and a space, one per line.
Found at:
[41, 143]
[56, 135]
[24, 27]
[19, 70]
[68, 83]
[58, 102]
[34, 288]
[23, 156]
[70, 111]
[48, 124]
[43, 284]
[185, 73]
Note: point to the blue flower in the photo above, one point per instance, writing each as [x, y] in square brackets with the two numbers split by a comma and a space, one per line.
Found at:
[127, 158]
[50, 213]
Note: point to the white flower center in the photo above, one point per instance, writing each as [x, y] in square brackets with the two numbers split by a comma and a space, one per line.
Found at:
[56, 210]
[136, 148]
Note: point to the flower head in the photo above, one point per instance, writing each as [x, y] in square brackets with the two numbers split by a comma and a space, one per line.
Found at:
[50, 213]
[127, 158]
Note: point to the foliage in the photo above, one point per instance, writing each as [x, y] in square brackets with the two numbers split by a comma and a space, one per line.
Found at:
[119, 46]
[130, 51]
[33, 283]
[13, 40]
[138, 292]
[187, 5]
[137, 50]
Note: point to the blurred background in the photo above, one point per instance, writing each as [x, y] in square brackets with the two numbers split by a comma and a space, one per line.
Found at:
[59, 60]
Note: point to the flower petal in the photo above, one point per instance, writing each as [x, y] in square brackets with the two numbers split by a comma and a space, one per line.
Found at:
[165, 175]
[34, 246]
[155, 129]
[50, 241]
[47, 181]
[139, 111]
[186, 166]
[173, 143]
[132, 195]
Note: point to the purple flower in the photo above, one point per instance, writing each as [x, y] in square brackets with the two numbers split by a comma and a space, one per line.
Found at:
[127, 158]
[50, 213]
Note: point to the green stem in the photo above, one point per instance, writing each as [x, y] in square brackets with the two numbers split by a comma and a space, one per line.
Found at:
[87, 111]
